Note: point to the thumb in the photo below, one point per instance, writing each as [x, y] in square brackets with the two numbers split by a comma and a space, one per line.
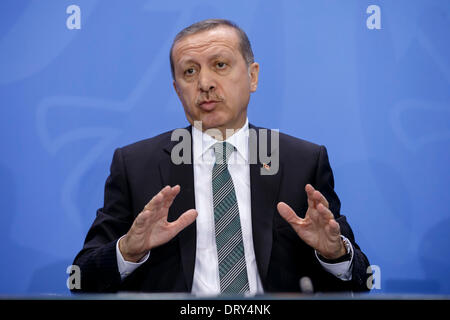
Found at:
[184, 220]
[287, 213]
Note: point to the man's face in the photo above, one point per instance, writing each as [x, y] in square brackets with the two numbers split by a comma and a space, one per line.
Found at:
[212, 78]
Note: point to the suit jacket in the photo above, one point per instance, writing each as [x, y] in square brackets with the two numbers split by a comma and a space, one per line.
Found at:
[140, 170]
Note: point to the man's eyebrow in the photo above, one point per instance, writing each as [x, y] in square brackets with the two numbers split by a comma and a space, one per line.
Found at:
[217, 55]
[186, 61]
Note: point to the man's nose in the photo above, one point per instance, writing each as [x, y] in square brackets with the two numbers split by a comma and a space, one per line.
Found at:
[206, 81]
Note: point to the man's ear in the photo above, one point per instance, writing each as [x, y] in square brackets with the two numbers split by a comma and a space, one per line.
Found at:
[253, 72]
[176, 88]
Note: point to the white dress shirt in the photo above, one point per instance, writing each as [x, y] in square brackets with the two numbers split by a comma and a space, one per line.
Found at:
[206, 271]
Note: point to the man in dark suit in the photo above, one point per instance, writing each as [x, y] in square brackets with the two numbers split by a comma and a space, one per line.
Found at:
[220, 222]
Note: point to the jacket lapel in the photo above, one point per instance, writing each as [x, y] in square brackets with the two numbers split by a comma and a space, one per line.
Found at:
[183, 175]
[264, 194]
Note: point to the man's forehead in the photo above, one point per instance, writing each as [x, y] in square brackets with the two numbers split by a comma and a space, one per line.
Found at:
[217, 39]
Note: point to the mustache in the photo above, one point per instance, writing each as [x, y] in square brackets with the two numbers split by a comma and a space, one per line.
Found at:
[209, 97]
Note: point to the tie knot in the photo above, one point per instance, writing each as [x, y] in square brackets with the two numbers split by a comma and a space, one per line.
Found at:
[222, 151]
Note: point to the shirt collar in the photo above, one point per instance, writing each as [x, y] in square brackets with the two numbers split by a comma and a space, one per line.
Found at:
[203, 142]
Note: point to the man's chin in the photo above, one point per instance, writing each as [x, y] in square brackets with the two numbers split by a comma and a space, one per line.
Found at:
[210, 124]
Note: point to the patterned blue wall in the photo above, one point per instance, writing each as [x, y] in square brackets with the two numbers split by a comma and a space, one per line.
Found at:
[374, 87]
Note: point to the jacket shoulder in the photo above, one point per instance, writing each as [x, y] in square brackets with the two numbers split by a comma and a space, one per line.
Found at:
[290, 143]
[148, 146]
[158, 144]
[297, 143]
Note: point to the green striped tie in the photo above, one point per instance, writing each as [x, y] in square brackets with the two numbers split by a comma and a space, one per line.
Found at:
[230, 248]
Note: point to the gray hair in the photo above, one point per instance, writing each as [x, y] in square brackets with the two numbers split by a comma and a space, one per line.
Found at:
[209, 24]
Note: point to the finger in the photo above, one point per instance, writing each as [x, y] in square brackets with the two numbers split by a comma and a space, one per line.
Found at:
[156, 202]
[169, 195]
[184, 220]
[309, 189]
[335, 228]
[313, 214]
[288, 214]
[324, 212]
[319, 198]
[142, 218]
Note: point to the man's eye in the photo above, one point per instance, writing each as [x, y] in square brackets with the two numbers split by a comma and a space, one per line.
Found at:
[189, 71]
[221, 65]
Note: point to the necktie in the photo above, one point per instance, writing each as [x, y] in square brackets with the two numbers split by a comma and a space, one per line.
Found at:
[230, 248]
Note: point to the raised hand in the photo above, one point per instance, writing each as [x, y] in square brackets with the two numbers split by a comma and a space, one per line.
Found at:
[318, 229]
[151, 228]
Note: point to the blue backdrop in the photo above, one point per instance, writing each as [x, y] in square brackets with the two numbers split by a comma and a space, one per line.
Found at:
[372, 85]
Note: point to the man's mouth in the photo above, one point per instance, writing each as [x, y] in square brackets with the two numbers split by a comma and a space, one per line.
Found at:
[208, 105]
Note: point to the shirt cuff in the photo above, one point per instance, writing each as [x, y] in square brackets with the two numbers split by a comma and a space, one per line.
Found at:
[342, 270]
[127, 267]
